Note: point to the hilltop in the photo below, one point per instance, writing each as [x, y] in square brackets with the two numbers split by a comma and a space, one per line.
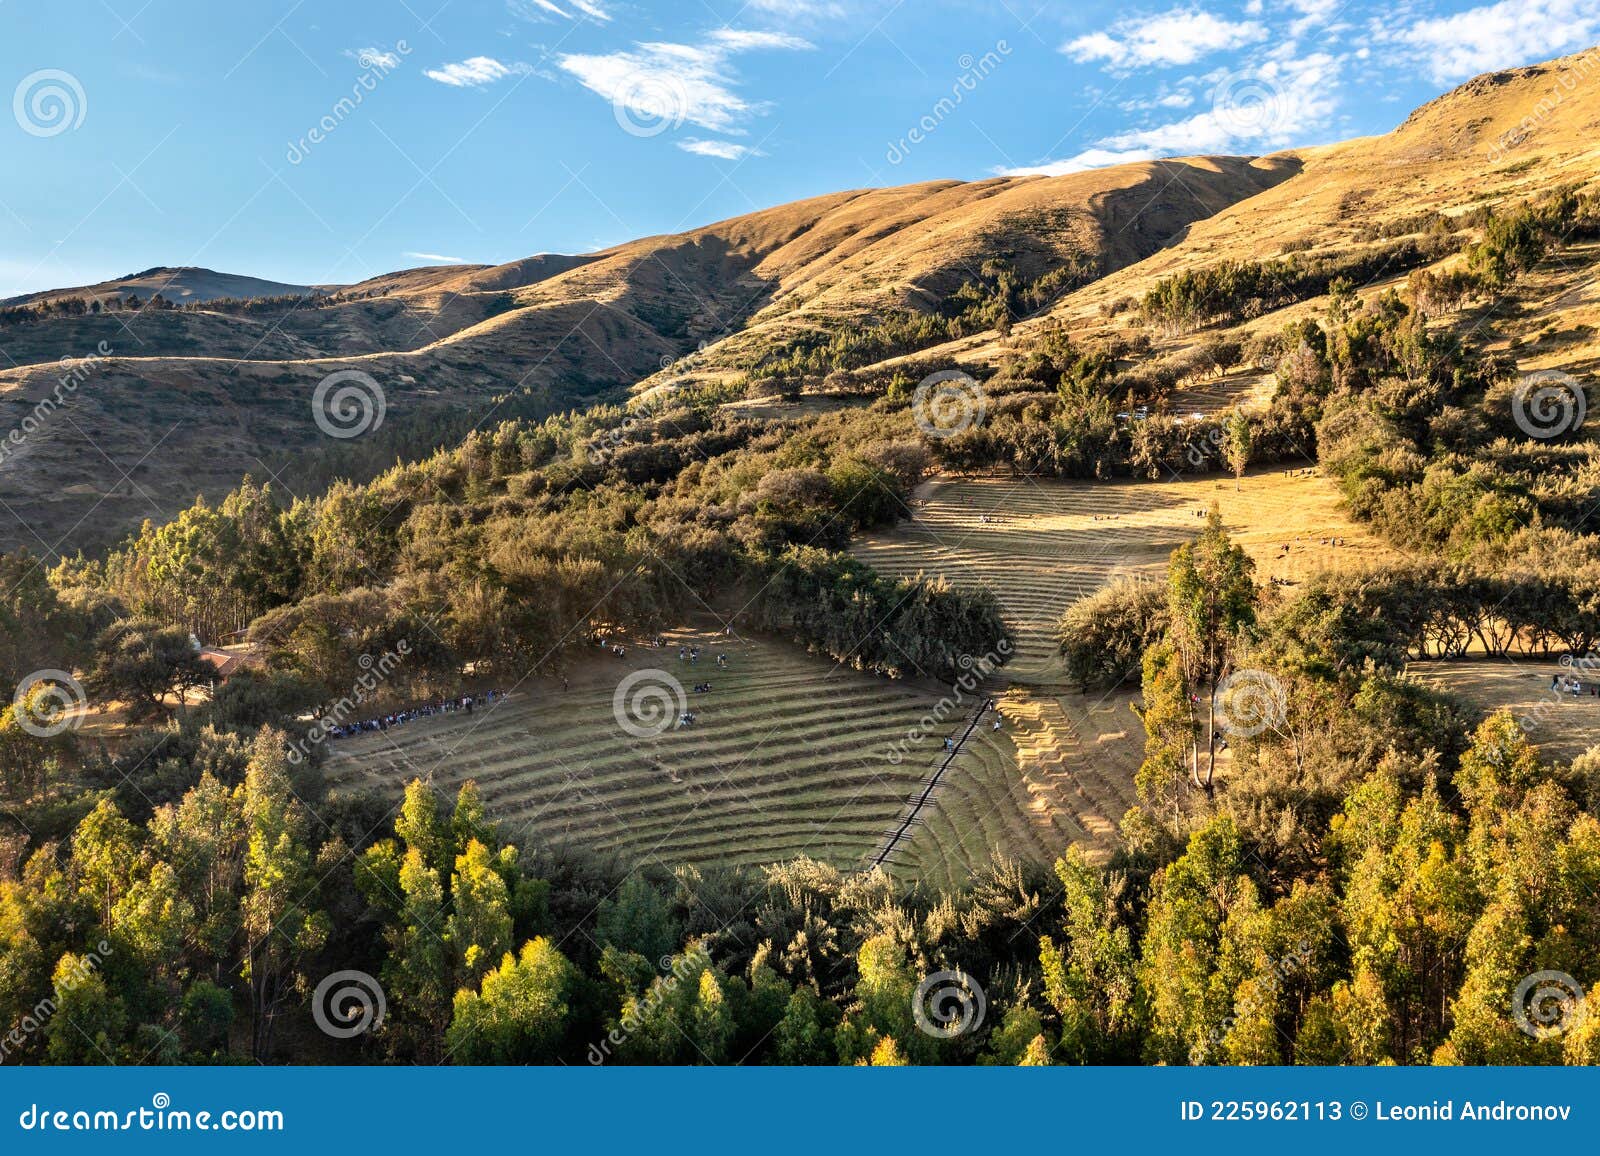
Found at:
[178, 402]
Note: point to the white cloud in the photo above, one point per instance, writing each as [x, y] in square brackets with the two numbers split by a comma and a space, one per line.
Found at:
[541, 10]
[749, 40]
[1272, 106]
[725, 150]
[673, 83]
[374, 58]
[475, 71]
[435, 257]
[799, 8]
[1180, 36]
[1095, 158]
[1502, 35]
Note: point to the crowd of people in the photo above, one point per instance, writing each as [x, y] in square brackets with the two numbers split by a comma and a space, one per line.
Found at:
[462, 704]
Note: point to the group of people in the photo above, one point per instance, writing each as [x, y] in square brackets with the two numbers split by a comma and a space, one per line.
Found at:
[1566, 684]
[462, 704]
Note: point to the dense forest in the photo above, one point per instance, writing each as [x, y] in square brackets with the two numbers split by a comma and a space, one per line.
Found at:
[1368, 883]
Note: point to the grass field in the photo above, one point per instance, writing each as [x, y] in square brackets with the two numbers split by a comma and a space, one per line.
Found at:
[791, 754]
[1561, 725]
[1039, 545]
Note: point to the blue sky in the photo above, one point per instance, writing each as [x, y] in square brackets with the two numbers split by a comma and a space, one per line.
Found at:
[328, 142]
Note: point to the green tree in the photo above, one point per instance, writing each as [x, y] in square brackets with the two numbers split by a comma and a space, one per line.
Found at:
[1237, 444]
[519, 1016]
[1210, 605]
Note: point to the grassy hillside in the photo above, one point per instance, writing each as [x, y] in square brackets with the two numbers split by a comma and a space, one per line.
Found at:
[183, 402]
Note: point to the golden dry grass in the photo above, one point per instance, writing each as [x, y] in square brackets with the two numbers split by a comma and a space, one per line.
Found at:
[793, 755]
[1560, 724]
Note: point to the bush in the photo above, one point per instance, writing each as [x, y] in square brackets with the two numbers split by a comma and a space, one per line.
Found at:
[1103, 637]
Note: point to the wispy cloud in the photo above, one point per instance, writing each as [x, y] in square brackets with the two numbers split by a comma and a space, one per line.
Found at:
[439, 257]
[1494, 36]
[1181, 36]
[1095, 158]
[374, 58]
[749, 40]
[813, 9]
[725, 150]
[475, 72]
[669, 82]
[542, 10]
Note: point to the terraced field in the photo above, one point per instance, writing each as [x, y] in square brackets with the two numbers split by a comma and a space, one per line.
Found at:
[792, 755]
[1067, 770]
[789, 755]
[1038, 545]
